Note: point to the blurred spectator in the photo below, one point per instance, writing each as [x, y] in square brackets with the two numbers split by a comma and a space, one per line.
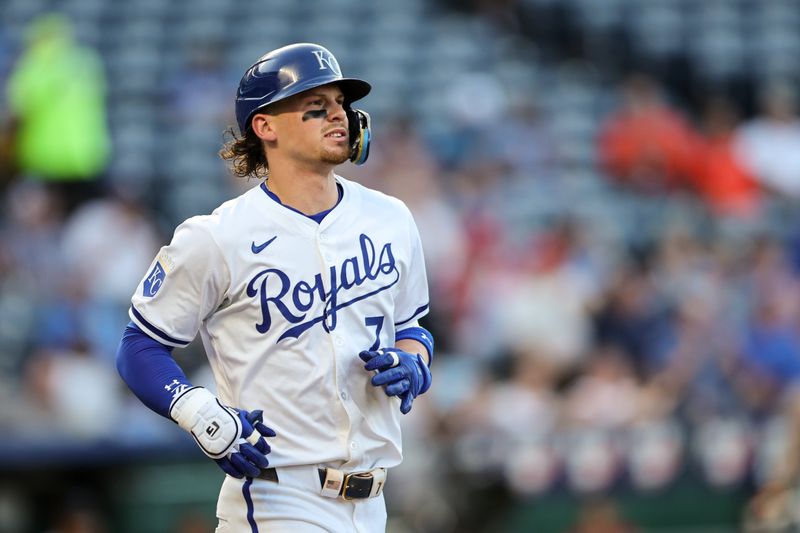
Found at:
[101, 270]
[633, 317]
[485, 254]
[536, 296]
[772, 342]
[718, 175]
[529, 396]
[769, 144]
[56, 94]
[100, 226]
[614, 421]
[206, 107]
[518, 410]
[645, 144]
[31, 232]
[498, 435]
[69, 393]
[30, 268]
[525, 145]
[772, 356]
[475, 103]
[607, 395]
[699, 369]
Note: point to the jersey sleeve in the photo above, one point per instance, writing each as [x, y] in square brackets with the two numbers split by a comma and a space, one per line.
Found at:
[185, 283]
[412, 301]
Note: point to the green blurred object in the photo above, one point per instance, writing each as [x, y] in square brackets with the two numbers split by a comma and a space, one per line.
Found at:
[56, 93]
[688, 506]
[158, 498]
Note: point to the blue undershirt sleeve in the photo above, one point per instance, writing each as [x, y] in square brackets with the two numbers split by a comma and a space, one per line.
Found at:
[149, 370]
[419, 334]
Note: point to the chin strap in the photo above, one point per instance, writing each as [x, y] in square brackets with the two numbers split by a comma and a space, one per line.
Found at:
[359, 125]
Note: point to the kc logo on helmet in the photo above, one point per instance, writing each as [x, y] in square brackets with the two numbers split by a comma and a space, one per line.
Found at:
[327, 61]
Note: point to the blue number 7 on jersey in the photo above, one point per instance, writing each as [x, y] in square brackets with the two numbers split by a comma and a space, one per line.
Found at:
[376, 321]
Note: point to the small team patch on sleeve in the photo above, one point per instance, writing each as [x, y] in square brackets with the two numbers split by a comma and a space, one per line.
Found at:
[164, 263]
[154, 280]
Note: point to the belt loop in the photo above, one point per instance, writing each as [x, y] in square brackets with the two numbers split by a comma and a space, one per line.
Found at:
[332, 484]
[378, 481]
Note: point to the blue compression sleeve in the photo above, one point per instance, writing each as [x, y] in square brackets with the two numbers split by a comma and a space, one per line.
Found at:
[418, 334]
[148, 368]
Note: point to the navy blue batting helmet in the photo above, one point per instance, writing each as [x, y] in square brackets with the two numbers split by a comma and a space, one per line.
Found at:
[287, 71]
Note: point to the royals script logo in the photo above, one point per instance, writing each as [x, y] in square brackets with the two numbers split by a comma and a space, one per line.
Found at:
[338, 288]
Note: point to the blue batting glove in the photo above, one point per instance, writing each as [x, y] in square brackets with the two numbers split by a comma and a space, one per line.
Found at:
[234, 438]
[401, 374]
[251, 457]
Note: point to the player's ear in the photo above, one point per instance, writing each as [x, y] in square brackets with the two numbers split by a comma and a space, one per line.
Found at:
[263, 126]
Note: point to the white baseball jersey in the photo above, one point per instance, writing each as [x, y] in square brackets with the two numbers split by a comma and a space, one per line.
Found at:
[284, 305]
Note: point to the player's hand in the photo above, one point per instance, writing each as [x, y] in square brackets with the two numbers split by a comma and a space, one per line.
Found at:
[250, 459]
[400, 373]
[233, 438]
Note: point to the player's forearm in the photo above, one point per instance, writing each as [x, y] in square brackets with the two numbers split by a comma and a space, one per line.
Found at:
[416, 339]
[149, 370]
[413, 346]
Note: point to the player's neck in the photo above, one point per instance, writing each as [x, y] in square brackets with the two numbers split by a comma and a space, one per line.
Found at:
[309, 193]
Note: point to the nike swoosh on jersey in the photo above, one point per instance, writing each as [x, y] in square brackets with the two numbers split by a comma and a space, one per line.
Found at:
[257, 248]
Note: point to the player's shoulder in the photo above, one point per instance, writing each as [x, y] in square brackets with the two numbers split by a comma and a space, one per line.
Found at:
[220, 221]
[373, 198]
[228, 211]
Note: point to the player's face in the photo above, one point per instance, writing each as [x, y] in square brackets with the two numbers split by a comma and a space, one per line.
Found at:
[312, 126]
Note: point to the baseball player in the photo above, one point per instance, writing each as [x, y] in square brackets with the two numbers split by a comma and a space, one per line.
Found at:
[306, 291]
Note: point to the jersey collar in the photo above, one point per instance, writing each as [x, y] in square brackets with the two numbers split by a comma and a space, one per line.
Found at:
[315, 217]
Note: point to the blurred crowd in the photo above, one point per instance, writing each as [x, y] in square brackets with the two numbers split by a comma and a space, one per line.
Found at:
[574, 352]
[577, 357]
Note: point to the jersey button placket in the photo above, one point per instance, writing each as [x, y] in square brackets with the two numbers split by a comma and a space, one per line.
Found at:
[325, 254]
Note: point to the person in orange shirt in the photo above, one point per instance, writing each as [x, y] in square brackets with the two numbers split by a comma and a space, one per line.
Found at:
[717, 174]
[645, 144]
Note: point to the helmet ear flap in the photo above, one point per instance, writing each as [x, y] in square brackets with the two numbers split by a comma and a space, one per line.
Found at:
[360, 135]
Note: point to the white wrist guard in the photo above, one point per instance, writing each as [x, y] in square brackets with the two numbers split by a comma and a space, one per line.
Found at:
[215, 427]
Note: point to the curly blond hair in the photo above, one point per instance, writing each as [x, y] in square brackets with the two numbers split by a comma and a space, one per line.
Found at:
[245, 154]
